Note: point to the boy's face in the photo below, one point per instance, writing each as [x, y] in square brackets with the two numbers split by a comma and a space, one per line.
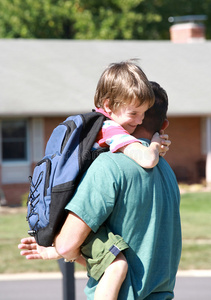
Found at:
[130, 116]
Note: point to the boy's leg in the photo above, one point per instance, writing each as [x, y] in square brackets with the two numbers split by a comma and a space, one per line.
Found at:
[105, 262]
[111, 281]
[100, 249]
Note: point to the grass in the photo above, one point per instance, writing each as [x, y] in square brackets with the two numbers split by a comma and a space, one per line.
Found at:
[13, 227]
[196, 257]
[196, 215]
[196, 224]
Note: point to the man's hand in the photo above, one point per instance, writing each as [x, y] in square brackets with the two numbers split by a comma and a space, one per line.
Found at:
[32, 250]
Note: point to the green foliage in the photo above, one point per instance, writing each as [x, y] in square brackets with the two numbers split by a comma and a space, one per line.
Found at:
[35, 19]
[94, 19]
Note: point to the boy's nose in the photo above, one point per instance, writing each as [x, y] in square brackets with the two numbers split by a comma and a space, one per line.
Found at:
[139, 120]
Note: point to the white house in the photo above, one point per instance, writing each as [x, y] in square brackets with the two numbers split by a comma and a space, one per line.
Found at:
[44, 81]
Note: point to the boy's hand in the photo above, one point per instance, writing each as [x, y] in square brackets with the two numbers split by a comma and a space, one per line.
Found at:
[32, 250]
[163, 141]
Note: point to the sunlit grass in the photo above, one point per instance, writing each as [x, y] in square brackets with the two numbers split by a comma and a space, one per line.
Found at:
[196, 229]
[196, 225]
[13, 227]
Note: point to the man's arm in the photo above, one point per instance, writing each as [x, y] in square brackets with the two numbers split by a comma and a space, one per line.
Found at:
[71, 237]
[68, 242]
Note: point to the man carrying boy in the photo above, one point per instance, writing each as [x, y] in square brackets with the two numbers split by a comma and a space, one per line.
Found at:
[141, 205]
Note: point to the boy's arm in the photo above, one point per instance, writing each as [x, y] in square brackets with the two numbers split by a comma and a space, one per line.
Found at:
[148, 157]
[119, 140]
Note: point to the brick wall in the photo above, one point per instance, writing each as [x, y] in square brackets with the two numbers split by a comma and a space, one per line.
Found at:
[14, 192]
[185, 155]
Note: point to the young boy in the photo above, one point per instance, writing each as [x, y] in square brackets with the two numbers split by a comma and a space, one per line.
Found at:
[123, 94]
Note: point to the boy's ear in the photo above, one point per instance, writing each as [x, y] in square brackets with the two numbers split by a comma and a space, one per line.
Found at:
[106, 106]
[165, 124]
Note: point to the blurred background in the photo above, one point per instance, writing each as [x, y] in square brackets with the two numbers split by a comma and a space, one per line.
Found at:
[52, 53]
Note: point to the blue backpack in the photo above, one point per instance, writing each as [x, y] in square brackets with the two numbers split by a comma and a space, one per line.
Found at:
[68, 155]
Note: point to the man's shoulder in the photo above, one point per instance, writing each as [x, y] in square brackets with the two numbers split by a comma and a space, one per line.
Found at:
[112, 156]
[109, 160]
[108, 156]
[166, 170]
[163, 162]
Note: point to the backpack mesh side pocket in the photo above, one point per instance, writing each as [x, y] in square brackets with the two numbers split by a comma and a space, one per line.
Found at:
[40, 194]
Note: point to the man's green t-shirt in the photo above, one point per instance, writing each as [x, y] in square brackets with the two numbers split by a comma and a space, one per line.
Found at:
[142, 206]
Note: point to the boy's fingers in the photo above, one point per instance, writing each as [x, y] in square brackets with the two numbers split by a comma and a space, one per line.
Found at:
[164, 148]
[166, 142]
[164, 136]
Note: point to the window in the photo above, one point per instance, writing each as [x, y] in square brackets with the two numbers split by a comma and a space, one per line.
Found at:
[14, 140]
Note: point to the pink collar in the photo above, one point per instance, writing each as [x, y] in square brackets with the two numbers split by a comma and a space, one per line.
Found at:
[102, 111]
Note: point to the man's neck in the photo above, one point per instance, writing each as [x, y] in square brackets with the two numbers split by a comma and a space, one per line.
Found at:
[141, 133]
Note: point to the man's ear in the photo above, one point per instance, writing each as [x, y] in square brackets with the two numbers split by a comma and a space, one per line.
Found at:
[106, 106]
[165, 124]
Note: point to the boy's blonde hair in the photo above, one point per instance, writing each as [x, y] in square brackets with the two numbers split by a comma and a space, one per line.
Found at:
[123, 83]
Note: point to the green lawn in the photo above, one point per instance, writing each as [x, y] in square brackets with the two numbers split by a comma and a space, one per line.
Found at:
[13, 227]
[196, 230]
[196, 227]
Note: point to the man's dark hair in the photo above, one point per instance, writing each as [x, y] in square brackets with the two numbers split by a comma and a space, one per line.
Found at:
[155, 116]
